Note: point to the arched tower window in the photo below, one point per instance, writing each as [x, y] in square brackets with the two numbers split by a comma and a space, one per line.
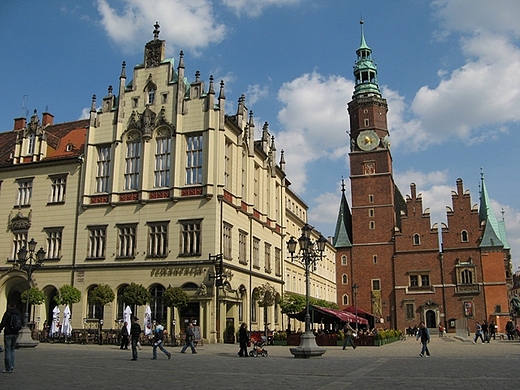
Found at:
[344, 279]
[344, 260]
[464, 236]
[416, 239]
[345, 299]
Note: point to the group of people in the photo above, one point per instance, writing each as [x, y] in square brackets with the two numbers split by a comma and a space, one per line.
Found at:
[133, 337]
[485, 332]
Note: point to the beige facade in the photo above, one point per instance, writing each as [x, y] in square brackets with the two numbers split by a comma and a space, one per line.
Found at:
[167, 181]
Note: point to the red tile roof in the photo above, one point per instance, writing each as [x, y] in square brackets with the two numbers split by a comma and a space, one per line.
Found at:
[58, 137]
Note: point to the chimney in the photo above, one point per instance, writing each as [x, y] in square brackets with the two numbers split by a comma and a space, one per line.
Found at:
[19, 123]
[47, 119]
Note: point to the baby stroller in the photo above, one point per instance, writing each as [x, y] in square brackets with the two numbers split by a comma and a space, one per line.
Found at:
[258, 347]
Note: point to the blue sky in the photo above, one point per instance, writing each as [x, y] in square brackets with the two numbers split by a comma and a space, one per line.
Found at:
[450, 71]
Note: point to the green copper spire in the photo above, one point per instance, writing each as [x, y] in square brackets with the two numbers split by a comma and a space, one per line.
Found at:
[365, 70]
[491, 236]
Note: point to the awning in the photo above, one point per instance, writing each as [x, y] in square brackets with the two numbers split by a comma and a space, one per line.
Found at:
[326, 315]
[352, 309]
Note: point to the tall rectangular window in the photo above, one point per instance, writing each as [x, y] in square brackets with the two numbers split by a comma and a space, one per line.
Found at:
[158, 239]
[24, 192]
[278, 261]
[54, 236]
[227, 165]
[267, 257]
[226, 240]
[19, 241]
[97, 242]
[133, 165]
[425, 280]
[244, 175]
[410, 312]
[162, 162]
[103, 169]
[127, 241]
[242, 247]
[256, 253]
[58, 186]
[190, 238]
[194, 144]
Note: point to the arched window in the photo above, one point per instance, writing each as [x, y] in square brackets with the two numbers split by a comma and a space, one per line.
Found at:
[344, 260]
[157, 305]
[254, 308]
[344, 279]
[94, 311]
[151, 94]
[345, 299]
[416, 239]
[121, 302]
[464, 236]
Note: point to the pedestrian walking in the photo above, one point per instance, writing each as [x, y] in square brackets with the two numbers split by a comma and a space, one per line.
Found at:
[424, 335]
[243, 339]
[492, 330]
[510, 329]
[190, 336]
[124, 336]
[485, 331]
[11, 324]
[349, 336]
[158, 341]
[135, 333]
[478, 333]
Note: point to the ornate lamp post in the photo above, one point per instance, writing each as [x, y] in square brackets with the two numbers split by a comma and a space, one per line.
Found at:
[354, 292]
[310, 253]
[29, 261]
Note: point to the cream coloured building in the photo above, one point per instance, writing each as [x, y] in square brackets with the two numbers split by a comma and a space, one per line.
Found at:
[165, 181]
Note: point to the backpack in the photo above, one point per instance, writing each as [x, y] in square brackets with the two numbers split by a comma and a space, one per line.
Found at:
[16, 322]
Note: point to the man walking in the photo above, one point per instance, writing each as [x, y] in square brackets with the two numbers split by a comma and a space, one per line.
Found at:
[158, 340]
[11, 323]
[424, 335]
[349, 336]
[190, 336]
[135, 333]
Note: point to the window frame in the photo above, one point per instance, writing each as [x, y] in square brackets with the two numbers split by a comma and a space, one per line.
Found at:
[194, 158]
[126, 241]
[97, 244]
[158, 239]
[58, 189]
[191, 238]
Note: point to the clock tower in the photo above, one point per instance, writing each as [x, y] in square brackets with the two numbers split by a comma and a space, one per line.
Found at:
[375, 197]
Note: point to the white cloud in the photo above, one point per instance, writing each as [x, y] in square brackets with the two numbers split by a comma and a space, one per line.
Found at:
[253, 8]
[85, 113]
[187, 25]
[255, 93]
[313, 122]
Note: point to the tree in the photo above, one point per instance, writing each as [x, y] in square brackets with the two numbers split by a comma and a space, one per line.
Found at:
[292, 303]
[175, 297]
[136, 294]
[101, 295]
[36, 297]
[266, 296]
[67, 295]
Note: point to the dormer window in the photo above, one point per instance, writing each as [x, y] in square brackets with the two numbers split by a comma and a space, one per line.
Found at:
[69, 147]
[31, 144]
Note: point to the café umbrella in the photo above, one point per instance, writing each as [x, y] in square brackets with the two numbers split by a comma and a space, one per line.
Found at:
[148, 321]
[55, 325]
[66, 328]
[127, 317]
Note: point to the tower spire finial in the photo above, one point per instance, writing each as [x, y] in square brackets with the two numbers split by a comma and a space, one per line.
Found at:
[156, 31]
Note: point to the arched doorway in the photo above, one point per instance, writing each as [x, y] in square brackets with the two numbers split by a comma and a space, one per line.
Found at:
[431, 321]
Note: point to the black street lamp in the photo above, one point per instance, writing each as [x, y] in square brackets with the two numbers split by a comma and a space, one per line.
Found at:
[354, 292]
[310, 253]
[28, 261]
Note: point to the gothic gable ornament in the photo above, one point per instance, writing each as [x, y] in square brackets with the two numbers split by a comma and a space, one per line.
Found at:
[154, 50]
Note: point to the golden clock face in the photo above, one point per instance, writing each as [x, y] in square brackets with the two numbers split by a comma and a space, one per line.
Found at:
[367, 140]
